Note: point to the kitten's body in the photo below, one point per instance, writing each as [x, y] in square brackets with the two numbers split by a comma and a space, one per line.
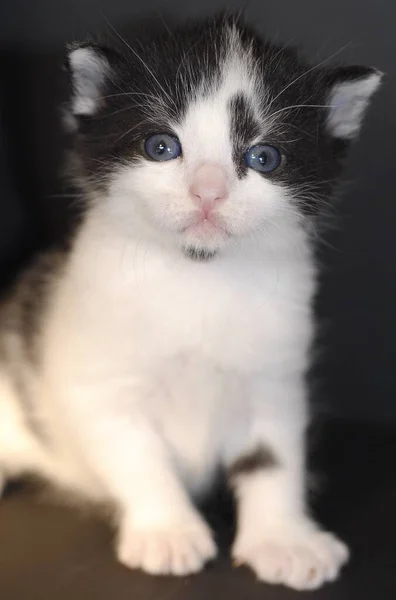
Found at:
[150, 368]
[201, 330]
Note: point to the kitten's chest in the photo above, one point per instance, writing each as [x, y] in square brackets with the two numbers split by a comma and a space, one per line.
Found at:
[236, 312]
[232, 317]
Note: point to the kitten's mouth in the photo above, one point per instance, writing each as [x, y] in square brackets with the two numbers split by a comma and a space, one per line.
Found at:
[203, 238]
[205, 227]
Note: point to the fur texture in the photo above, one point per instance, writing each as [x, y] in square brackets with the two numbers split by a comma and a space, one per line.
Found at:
[173, 337]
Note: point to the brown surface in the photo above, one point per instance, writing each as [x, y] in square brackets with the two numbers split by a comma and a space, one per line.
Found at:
[49, 552]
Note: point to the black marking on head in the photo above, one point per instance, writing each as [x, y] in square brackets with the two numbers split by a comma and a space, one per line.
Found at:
[148, 86]
[244, 129]
[199, 254]
[151, 82]
[260, 458]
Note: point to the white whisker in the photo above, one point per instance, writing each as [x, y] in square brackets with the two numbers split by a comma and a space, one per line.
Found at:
[317, 66]
[294, 106]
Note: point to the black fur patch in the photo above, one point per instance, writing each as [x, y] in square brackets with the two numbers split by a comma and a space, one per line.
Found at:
[260, 458]
[244, 129]
[22, 315]
[23, 310]
[199, 254]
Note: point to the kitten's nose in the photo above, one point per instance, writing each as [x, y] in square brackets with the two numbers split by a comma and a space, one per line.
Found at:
[209, 186]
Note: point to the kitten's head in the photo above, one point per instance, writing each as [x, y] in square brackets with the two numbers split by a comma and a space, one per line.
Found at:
[205, 136]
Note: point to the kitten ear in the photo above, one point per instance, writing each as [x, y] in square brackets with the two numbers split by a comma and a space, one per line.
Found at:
[89, 66]
[351, 89]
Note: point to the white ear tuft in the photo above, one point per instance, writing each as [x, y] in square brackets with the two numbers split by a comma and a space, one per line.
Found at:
[349, 98]
[88, 68]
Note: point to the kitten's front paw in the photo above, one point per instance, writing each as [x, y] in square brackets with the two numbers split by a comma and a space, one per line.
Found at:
[174, 550]
[302, 564]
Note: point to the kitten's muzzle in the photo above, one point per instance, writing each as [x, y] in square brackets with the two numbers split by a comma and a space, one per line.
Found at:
[209, 188]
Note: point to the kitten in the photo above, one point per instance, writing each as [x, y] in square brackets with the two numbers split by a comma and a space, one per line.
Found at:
[173, 337]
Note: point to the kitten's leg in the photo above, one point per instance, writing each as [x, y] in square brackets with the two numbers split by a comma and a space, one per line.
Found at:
[160, 530]
[275, 535]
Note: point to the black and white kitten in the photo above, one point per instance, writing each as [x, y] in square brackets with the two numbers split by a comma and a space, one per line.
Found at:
[173, 337]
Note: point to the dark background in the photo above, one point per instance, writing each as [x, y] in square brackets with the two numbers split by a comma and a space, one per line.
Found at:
[358, 294]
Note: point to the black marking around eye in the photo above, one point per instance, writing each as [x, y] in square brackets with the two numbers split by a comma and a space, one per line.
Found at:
[244, 128]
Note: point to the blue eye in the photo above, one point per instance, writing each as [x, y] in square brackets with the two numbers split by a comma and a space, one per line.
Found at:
[263, 158]
[162, 146]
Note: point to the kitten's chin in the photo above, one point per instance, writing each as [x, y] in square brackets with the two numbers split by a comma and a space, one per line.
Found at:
[205, 246]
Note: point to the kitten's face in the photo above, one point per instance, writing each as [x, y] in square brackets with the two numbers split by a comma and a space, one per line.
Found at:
[207, 137]
[206, 196]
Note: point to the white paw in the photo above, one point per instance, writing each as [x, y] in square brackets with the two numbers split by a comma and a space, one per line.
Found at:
[177, 550]
[305, 563]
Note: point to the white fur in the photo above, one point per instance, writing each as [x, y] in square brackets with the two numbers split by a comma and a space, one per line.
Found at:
[348, 102]
[156, 368]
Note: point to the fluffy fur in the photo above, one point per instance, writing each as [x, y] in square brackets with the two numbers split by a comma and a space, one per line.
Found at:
[173, 337]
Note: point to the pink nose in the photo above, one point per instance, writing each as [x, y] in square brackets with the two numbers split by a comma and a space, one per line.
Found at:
[209, 186]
